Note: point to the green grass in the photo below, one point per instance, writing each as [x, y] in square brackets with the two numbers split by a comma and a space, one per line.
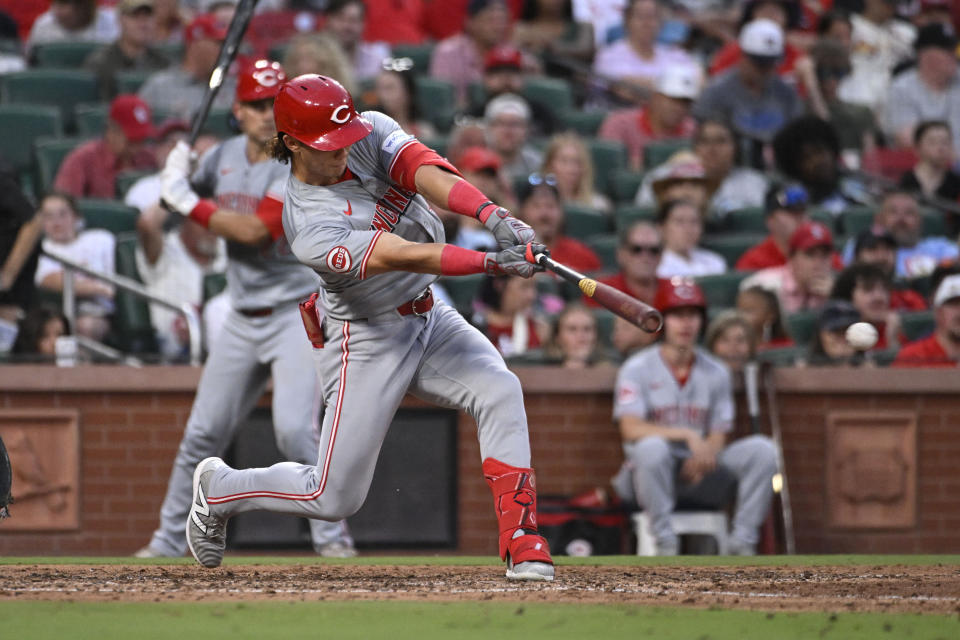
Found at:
[446, 621]
[451, 560]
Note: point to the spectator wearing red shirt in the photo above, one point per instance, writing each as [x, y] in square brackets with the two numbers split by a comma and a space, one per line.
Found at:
[666, 116]
[942, 349]
[878, 247]
[540, 208]
[638, 254]
[395, 21]
[867, 287]
[508, 316]
[90, 170]
[785, 209]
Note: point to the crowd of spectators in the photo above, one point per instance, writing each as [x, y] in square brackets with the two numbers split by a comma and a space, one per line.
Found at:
[797, 160]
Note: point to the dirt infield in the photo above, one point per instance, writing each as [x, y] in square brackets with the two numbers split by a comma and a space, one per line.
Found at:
[900, 589]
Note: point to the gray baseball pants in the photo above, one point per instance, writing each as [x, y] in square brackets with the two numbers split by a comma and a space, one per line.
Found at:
[249, 352]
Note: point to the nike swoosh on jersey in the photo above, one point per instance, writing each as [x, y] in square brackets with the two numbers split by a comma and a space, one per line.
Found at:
[349, 210]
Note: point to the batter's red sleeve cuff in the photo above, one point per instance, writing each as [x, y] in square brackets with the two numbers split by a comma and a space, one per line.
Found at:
[457, 261]
[411, 157]
[202, 212]
[467, 200]
[270, 212]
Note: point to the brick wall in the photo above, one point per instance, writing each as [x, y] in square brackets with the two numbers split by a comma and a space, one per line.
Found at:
[131, 421]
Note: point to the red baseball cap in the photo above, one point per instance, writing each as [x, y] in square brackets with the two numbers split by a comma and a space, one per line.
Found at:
[205, 26]
[810, 235]
[479, 159]
[504, 56]
[260, 80]
[134, 117]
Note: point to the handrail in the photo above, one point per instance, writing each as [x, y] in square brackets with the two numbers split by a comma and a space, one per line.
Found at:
[189, 314]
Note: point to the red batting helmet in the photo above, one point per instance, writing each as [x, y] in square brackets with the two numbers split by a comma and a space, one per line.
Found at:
[260, 80]
[678, 292]
[319, 112]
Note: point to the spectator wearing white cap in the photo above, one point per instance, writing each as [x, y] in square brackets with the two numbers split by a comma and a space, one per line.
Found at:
[507, 120]
[665, 116]
[752, 97]
[879, 41]
[942, 348]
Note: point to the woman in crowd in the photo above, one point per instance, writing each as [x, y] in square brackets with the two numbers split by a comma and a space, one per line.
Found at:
[318, 53]
[574, 342]
[681, 226]
[731, 338]
[729, 186]
[761, 308]
[94, 249]
[395, 95]
[829, 345]
[568, 158]
[508, 316]
[38, 333]
[933, 175]
[546, 28]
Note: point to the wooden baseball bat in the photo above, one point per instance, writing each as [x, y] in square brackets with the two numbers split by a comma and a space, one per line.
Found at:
[228, 51]
[627, 307]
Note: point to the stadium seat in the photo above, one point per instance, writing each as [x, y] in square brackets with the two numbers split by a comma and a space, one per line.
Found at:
[419, 53]
[463, 290]
[173, 51]
[746, 220]
[61, 88]
[802, 325]
[125, 180]
[605, 319]
[853, 220]
[49, 153]
[435, 99]
[582, 222]
[111, 215]
[551, 93]
[438, 144]
[731, 245]
[131, 81]
[917, 324]
[91, 118]
[213, 284]
[656, 153]
[825, 218]
[627, 215]
[782, 356]
[131, 320]
[220, 123]
[20, 125]
[624, 184]
[721, 289]
[278, 51]
[608, 156]
[934, 223]
[605, 246]
[586, 123]
[63, 55]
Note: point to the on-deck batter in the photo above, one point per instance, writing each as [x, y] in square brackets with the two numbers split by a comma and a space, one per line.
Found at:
[263, 335]
[354, 212]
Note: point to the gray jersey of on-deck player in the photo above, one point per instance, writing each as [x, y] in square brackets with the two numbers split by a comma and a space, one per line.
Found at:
[257, 277]
[334, 229]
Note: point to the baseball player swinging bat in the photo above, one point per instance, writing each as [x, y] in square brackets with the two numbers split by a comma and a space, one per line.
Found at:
[627, 307]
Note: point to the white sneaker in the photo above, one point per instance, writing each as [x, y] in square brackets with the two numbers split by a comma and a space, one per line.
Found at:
[148, 552]
[206, 533]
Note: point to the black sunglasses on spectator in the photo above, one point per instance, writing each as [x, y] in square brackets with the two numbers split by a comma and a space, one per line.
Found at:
[637, 249]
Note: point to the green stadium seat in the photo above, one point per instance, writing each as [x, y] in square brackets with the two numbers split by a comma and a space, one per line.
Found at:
[125, 180]
[63, 55]
[747, 220]
[721, 289]
[438, 144]
[435, 99]
[781, 357]
[605, 246]
[111, 215]
[419, 53]
[551, 93]
[934, 223]
[173, 51]
[825, 218]
[624, 184]
[656, 153]
[731, 245]
[219, 123]
[476, 95]
[131, 320]
[91, 118]
[463, 290]
[627, 215]
[213, 285]
[61, 88]
[131, 81]
[608, 156]
[605, 319]
[582, 222]
[802, 325]
[853, 220]
[586, 123]
[278, 51]
[917, 324]
[49, 154]
[20, 125]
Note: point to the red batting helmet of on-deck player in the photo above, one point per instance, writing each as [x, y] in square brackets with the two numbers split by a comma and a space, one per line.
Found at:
[319, 112]
[260, 80]
[678, 292]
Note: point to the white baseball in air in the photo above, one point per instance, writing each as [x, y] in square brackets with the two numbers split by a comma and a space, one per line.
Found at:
[862, 335]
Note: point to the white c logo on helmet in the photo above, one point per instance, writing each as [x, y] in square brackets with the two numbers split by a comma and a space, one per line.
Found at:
[266, 77]
[336, 118]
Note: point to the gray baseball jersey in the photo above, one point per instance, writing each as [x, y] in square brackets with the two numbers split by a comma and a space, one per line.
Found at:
[648, 389]
[257, 277]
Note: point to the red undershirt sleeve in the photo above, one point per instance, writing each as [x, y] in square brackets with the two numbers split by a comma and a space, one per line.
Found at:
[270, 212]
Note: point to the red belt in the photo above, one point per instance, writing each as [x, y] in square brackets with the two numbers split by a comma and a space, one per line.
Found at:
[256, 313]
[418, 306]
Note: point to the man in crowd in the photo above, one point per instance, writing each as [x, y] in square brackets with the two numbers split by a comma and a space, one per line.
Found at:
[674, 406]
[942, 349]
[503, 73]
[805, 281]
[346, 20]
[879, 42]
[90, 170]
[507, 118]
[665, 117]
[540, 208]
[785, 208]
[638, 255]
[878, 248]
[132, 51]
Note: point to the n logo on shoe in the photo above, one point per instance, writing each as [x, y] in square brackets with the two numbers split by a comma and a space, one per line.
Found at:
[201, 508]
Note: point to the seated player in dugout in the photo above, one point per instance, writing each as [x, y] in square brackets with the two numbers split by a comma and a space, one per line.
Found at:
[674, 405]
[356, 211]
